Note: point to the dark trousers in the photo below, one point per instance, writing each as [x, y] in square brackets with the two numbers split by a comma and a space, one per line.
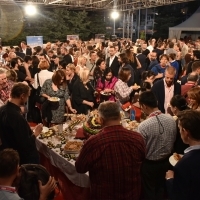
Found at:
[153, 179]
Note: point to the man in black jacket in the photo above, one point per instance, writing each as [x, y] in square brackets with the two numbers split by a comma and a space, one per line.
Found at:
[18, 53]
[66, 58]
[15, 132]
[166, 88]
[25, 49]
[183, 183]
[142, 59]
[113, 62]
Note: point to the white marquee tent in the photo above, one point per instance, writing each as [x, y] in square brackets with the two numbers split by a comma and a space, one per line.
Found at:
[191, 24]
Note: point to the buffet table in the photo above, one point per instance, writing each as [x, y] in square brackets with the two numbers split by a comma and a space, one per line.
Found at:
[52, 146]
[74, 186]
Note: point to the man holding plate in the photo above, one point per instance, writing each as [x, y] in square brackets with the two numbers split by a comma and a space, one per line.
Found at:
[183, 183]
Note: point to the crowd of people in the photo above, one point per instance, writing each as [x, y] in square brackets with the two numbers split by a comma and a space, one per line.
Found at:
[160, 78]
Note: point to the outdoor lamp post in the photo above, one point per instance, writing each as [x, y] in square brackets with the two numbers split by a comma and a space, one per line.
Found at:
[114, 15]
[153, 25]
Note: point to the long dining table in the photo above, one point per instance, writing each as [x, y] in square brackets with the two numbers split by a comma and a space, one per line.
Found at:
[73, 186]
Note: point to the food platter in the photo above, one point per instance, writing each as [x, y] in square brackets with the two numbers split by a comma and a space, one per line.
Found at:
[130, 125]
[47, 134]
[45, 129]
[173, 160]
[54, 99]
[73, 147]
[105, 93]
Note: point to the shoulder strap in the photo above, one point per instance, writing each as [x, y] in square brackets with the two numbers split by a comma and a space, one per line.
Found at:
[92, 67]
[38, 81]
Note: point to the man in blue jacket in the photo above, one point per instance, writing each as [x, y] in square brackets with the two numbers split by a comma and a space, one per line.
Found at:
[183, 183]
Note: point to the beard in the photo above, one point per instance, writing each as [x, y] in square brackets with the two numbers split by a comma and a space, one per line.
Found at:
[169, 83]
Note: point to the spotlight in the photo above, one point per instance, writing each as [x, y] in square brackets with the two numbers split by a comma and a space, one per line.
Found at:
[30, 10]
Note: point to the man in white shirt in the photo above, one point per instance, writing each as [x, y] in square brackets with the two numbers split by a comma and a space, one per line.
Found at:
[112, 61]
[166, 88]
[27, 51]
[150, 47]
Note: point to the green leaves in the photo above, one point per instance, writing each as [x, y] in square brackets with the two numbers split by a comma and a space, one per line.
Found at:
[57, 23]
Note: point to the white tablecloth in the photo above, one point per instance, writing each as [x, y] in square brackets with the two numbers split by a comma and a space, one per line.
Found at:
[67, 167]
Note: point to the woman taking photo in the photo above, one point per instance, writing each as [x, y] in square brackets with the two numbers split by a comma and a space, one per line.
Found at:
[122, 90]
[106, 83]
[56, 87]
[83, 93]
[71, 76]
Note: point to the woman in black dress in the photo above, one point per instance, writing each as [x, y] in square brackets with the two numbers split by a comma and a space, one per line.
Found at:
[71, 76]
[83, 93]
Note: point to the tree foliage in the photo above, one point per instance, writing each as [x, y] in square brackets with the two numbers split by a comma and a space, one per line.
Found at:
[57, 24]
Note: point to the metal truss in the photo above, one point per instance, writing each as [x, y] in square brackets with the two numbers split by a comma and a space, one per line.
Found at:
[121, 5]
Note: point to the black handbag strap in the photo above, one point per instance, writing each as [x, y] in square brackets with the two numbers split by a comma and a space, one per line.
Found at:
[38, 81]
[92, 67]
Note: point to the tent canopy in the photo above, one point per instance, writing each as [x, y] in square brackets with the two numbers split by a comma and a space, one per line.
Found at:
[191, 24]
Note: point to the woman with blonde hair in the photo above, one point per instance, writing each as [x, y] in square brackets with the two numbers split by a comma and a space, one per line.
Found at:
[194, 98]
[71, 76]
[83, 93]
[81, 64]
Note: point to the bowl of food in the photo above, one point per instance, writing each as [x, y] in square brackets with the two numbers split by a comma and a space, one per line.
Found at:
[73, 147]
[54, 99]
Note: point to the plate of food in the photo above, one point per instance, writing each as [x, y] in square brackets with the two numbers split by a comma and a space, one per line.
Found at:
[105, 93]
[175, 158]
[73, 147]
[47, 134]
[54, 99]
[130, 125]
[45, 129]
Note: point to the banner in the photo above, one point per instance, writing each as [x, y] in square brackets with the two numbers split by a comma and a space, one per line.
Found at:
[72, 37]
[34, 41]
[99, 38]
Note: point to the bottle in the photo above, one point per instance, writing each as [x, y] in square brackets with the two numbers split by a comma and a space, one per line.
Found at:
[132, 114]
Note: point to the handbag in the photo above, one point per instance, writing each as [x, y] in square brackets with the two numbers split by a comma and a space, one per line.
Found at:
[38, 98]
[27, 186]
[126, 106]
